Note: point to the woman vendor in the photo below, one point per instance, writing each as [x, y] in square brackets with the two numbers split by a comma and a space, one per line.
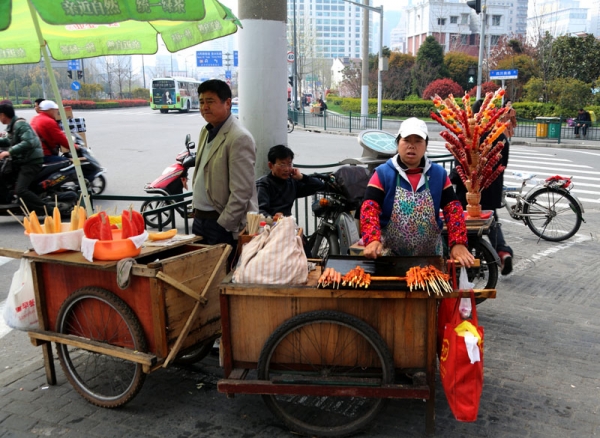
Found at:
[400, 210]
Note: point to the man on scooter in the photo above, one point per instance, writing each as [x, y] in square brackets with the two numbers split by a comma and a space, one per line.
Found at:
[25, 150]
[51, 136]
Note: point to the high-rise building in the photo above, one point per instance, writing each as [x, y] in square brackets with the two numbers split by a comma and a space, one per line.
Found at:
[561, 17]
[328, 28]
[455, 25]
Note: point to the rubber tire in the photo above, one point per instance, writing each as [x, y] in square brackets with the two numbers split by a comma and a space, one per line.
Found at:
[195, 354]
[290, 126]
[573, 209]
[97, 185]
[488, 269]
[323, 244]
[114, 315]
[164, 111]
[363, 331]
[152, 220]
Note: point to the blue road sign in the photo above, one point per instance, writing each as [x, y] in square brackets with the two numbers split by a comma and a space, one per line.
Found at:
[75, 86]
[74, 64]
[235, 58]
[504, 74]
[209, 58]
[227, 74]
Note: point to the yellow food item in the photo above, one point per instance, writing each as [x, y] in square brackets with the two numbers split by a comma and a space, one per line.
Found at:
[163, 235]
[56, 220]
[35, 223]
[82, 217]
[27, 225]
[48, 225]
[74, 220]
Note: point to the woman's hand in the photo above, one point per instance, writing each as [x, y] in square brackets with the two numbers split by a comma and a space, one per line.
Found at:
[373, 249]
[462, 254]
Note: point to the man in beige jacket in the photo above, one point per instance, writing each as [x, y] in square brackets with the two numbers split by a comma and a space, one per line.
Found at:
[223, 183]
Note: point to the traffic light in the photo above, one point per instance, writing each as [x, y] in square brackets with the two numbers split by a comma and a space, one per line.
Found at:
[70, 74]
[291, 80]
[475, 4]
[471, 75]
[79, 74]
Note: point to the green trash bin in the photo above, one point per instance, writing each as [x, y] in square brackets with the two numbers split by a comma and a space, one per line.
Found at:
[554, 129]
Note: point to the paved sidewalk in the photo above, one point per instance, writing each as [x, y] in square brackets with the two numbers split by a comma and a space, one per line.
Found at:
[542, 370]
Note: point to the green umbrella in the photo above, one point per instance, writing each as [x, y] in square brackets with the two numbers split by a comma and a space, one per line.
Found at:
[77, 33]
[75, 29]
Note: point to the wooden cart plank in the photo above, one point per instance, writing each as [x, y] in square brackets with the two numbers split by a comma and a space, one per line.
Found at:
[95, 346]
[40, 294]
[12, 253]
[234, 386]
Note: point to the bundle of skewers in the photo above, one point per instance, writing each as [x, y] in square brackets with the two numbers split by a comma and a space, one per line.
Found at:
[427, 278]
[52, 223]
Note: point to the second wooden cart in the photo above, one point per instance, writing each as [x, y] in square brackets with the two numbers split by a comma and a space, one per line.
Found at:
[327, 360]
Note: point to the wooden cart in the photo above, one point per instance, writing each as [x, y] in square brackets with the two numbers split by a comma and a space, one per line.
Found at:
[327, 360]
[109, 338]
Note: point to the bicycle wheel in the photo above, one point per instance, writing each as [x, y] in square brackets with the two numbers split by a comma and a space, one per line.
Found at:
[97, 185]
[325, 348]
[98, 315]
[552, 214]
[152, 220]
[324, 244]
[486, 275]
[196, 353]
[290, 126]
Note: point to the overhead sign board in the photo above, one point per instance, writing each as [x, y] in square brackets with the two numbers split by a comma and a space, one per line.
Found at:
[209, 58]
[504, 74]
[74, 64]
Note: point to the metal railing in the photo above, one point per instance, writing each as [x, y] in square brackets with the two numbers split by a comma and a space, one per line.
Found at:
[328, 120]
[561, 129]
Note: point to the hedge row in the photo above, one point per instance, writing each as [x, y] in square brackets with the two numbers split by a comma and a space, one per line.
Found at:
[103, 104]
[423, 108]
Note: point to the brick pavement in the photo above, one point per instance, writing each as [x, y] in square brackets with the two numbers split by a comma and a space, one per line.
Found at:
[542, 370]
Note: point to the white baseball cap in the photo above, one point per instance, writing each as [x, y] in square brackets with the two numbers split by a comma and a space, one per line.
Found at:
[46, 105]
[413, 126]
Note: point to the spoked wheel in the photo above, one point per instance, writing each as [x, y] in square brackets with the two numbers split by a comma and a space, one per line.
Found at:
[323, 245]
[97, 186]
[552, 214]
[152, 220]
[98, 315]
[325, 348]
[290, 126]
[486, 275]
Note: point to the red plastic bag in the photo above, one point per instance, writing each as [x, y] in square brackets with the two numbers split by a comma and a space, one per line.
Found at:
[462, 378]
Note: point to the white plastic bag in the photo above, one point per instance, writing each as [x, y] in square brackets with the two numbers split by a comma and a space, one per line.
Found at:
[464, 307]
[275, 256]
[20, 310]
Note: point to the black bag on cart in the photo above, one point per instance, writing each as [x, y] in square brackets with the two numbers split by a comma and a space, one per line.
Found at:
[352, 182]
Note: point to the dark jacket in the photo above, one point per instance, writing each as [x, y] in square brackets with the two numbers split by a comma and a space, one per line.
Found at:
[23, 143]
[491, 198]
[276, 195]
[583, 117]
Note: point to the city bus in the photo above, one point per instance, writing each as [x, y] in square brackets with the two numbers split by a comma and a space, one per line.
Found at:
[174, 93]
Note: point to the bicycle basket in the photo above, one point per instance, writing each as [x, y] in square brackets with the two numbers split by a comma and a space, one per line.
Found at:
[351, 181]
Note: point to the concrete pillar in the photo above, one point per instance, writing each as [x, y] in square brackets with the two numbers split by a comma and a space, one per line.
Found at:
[364, 89]
[263, 74]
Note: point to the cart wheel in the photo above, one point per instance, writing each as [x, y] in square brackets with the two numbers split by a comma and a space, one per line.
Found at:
[97, 314]
[195, 354]
[325, 347]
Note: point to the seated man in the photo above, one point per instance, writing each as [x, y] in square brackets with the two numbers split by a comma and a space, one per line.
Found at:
[583, 120]
[278, 190]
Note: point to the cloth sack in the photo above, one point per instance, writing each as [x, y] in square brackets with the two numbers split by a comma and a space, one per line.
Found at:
[461, 363]
[20, 310]
[275, 256]
[352, 182]
[446, 307]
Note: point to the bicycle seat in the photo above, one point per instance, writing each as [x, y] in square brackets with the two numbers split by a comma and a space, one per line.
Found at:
[524, 176]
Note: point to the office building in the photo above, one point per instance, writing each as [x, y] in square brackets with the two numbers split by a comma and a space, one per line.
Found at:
[563, 17]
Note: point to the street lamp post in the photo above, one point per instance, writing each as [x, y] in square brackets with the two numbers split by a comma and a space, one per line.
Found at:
[379, 10]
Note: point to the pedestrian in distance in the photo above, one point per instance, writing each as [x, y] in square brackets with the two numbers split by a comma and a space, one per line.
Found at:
[223, 184]
[582, 121]
[511, 117]
[36, 104]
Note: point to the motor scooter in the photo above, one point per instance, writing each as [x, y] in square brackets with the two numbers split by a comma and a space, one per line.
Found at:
[172, 181]
[93, 172]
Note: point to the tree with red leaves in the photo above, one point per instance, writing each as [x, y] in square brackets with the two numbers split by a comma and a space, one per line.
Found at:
[443, 88]
[486, 87]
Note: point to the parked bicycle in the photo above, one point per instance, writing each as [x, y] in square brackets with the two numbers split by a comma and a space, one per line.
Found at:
[290, 125]
[548, 209]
